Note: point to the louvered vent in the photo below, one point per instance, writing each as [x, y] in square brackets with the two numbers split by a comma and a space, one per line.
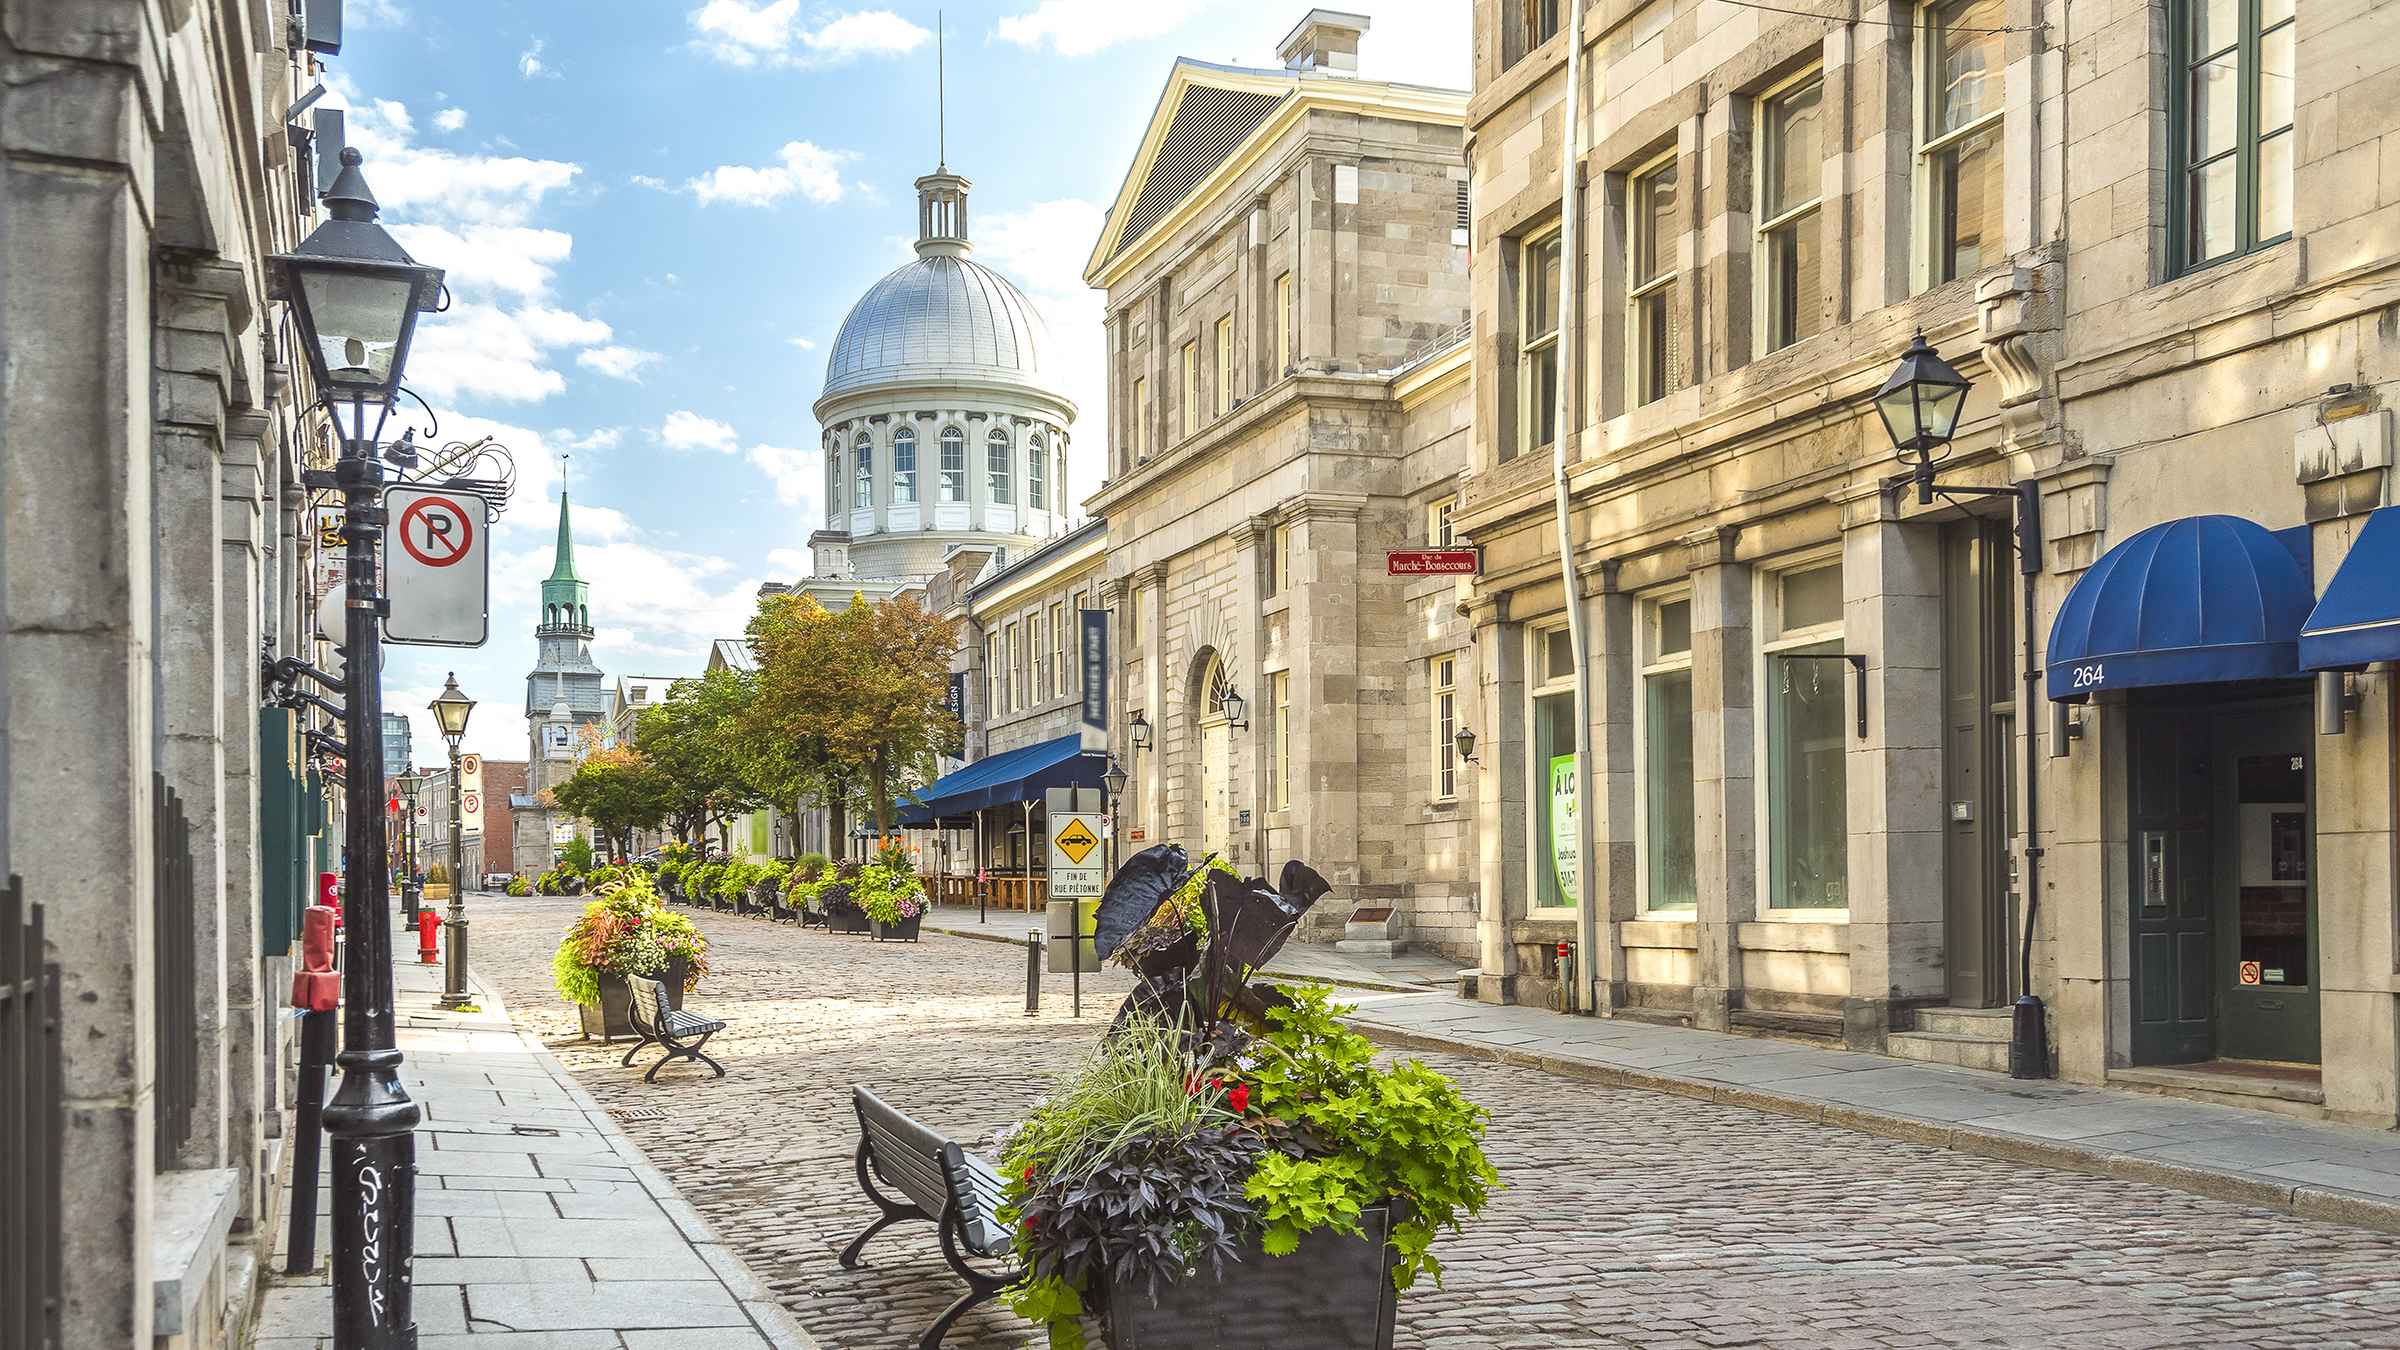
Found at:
[1208, 125]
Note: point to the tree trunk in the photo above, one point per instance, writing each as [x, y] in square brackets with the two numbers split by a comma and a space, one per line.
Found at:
[878, 777]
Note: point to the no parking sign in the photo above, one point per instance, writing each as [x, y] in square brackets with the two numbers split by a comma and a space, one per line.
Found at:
[437, 568]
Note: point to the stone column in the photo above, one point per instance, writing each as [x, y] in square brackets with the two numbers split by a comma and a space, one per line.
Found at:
[1724, 719]
[1150, 581]
[1500, 783]
[1614, 824]
[251, 1000]
[75, 506]
[1250, 564]
[1892, 614]
[1324, 667]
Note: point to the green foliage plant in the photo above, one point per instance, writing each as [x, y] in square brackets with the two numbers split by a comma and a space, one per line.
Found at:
[576, 856]
[889, 895]
[627, 931]
[437, 875]
[519, 886]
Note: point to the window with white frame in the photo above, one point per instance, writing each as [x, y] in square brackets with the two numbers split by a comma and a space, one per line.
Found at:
[1279, 773]
[1224, 365]
[997, 454]
[1037, 472]
[1190, 356]
[1141, 419]
[904, 467]
[1806, 727]
[1654, 327]
[1016, 666]
[1283, 323]
[1438, 533]
[1555, 855]
[954, 465]
[1791, 186]
[862, 492]
[1958, 137]
[1058, 649]
[1537, 343]
[1279, 559]
[1442, 680]
[1037, 684]
[993, 693]
[1669, 879]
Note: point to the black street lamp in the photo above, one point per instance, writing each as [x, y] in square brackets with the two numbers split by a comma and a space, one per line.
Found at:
[355, 295]
[451, 709]
[1464, 744]
[1236, 710]
[1920, 406]
[412, 891]
[1113, 781]
[1138, 732]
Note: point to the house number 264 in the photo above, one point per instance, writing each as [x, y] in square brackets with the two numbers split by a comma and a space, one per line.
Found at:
[2089, 677]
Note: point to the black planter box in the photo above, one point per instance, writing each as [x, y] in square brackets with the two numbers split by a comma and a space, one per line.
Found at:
[1334, 1293]
[846, 921]
[614, 1016]
[903, 931]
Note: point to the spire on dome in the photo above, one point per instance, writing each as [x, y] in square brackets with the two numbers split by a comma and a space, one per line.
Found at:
[564, 568]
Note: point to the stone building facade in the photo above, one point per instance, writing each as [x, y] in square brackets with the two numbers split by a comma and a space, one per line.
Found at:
[1287, 288]
[1807, 726]
[155, 540]
[567, 705]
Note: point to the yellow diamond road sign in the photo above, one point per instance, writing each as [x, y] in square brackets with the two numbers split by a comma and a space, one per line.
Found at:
[1077, 840]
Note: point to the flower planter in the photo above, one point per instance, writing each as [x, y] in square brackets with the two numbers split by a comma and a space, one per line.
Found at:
[614, 1016]
[1334, 1293]
[847, 921]
[903, 931]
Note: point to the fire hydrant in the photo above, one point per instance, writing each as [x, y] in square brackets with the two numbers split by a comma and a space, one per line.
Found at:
[427, 924]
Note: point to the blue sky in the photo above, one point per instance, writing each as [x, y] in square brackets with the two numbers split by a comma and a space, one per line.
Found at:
[655, 214]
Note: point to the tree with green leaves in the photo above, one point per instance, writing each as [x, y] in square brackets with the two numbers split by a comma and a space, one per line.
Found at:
[697, 739]
[618, 790]
[860, 692]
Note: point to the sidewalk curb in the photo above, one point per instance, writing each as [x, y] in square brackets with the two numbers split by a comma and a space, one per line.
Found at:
[768, 1317]
[987, 935]
[2330, 1203]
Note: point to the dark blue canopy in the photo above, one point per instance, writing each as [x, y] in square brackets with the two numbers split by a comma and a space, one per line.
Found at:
[1010, 776]
[2358, 621]
[2201, 600]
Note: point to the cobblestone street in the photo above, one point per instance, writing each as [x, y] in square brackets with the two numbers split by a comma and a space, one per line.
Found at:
[1630, 1218]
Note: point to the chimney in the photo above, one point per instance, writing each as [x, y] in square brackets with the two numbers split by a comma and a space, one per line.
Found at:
[1324, 42]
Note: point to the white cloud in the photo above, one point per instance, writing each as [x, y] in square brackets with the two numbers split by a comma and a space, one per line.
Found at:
[1043, 248]
[616, 362]
[1081, 27]
[802, 167]
[560, 328]
[804, 344]
[530, 63]
[450, 119]
[687, 430]
[790, 562]
[770, 33]
[797, 475]
[514, 258]
[650, 181]
[479, 350]
[601, 438]
[378, 14]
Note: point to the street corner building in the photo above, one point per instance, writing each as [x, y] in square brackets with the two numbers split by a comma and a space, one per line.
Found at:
[1286, 271]
[2153, 242]
[161, 821]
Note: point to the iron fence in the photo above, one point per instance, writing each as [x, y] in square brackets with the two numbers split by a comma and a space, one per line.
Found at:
[172, 971]
[32, 1128]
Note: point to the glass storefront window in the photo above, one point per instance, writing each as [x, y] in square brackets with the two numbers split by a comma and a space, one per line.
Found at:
[1555, 860]
[1808, 803]
[1669, 835]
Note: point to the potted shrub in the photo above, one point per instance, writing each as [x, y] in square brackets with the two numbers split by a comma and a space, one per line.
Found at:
[839, 897]
[519, 886]
[701, 882]
[890, 895]
[1233, 1170]
[803, 886]
[772, 875]
[626, 931]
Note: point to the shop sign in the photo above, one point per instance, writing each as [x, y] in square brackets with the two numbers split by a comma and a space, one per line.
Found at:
[1433, 562]
[1566, 834]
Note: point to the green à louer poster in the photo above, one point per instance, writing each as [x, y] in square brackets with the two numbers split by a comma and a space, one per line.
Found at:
[1565, 832]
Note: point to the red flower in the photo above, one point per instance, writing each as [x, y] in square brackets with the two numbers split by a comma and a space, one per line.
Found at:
[1239, 1098]
[1029, 1174]
[1028, 1223]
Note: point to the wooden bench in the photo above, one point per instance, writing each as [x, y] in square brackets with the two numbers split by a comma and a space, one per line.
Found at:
[941, 1183]
[681, 1033]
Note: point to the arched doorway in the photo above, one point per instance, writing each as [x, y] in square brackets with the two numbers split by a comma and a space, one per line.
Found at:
[1216, 756]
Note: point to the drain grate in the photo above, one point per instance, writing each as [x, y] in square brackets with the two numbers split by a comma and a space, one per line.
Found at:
[633, 1113]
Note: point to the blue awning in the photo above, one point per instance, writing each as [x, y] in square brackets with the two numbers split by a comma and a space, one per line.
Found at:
[1015, 775]
[2201, 600]
[2358, 620]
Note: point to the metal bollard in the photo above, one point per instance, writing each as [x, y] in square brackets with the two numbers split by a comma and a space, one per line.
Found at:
[1566, 979]
[1033, 971]
[1075, 959]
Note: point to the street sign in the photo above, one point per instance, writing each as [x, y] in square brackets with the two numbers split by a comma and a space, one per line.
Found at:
[1433, 562]
[1075, 856]
[1095, 668]
[437, 568]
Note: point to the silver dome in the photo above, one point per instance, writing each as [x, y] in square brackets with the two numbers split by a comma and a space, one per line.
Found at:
[940, 318]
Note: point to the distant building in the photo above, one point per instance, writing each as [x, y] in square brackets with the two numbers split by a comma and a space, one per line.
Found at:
[565, 693]
[396, 744]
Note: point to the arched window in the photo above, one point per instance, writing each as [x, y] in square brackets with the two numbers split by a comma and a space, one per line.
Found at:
[1036, 451]
[996, 459]
[833, 469]
[904, 467]
[954, 465]
[862, 495]
[583, 616]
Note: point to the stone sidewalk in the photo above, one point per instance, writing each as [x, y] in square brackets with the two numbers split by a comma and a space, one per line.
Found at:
[540, 1226]
[2322, 1171]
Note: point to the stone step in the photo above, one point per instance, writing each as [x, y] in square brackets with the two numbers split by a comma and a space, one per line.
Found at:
[1934, 1047]
[1986, 1024]
[1795, 1025]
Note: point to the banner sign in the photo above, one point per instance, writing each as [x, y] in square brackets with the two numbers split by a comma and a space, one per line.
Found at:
[437, 565]
[1433, 562]
[1566, 831]
[955, 701]
[1095, 668]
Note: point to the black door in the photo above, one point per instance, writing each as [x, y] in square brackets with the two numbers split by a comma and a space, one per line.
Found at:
[2171, 798]
[2265, 906]
[1978, 639]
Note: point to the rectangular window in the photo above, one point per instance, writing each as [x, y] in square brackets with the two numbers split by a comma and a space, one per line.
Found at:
[1283, 324]
[1133, 619]
[994, 693]
[954, 465]
[1438, 533]
[1191, 387]
[1058, 649]
[1038, 689]
[1654, 328]
[1556, 854]
[904, 469]
[862, 493]
[1541, 21]
[997, 454]
[1537, 344]
[1443, 681]
[1958, 156]
[1224, 365]
[1037, 475]
[1141, 420]
[1279, 777]
[2231, 126]
[1807, 728]
[1019, 686]
[1791, 185]
[1279, 560]
[1669, 833]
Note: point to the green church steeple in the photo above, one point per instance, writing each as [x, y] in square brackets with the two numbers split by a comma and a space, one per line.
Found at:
[566, 597]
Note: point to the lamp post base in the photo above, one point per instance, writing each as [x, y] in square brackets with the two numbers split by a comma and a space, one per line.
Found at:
[2028, 1044]
[454, 954]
